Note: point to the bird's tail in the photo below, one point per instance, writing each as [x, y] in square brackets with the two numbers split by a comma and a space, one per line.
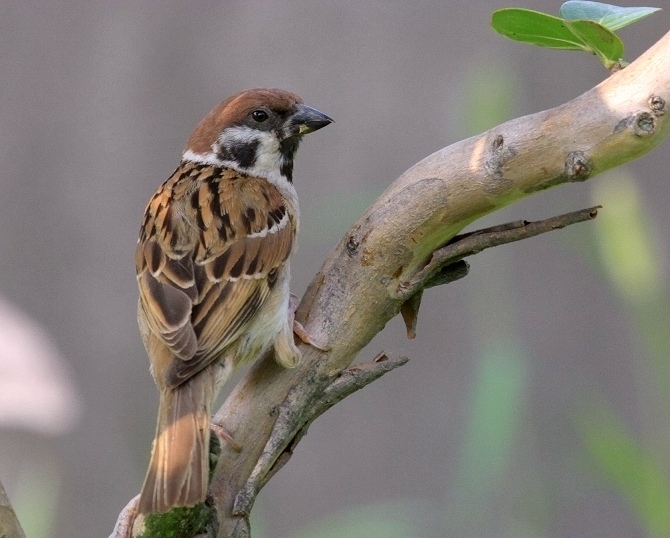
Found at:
[179, 468]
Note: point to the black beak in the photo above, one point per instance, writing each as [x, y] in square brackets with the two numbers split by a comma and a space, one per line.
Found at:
[305, 120]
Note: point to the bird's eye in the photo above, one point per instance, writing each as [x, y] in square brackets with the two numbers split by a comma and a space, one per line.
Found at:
[259, 115]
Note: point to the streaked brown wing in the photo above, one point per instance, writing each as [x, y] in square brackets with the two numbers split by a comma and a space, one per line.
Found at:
[210, 249]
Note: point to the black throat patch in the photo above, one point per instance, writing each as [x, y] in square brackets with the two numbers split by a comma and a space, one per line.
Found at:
[242, 153]
[288, 147]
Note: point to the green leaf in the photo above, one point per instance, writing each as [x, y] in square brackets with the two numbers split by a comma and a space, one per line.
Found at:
[599, 40]
[540, 29]
[587, 26]
[546, 30]
[609, 16]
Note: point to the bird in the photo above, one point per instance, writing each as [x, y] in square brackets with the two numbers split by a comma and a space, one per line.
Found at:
[212, 265]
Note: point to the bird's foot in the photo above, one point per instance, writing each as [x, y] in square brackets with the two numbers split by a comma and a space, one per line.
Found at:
[298, 328]
[224, 435]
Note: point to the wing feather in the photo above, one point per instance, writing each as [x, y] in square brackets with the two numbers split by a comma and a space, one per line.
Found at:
[210, 247]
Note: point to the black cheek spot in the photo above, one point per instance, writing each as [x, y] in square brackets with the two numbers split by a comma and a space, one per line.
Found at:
[244, 154]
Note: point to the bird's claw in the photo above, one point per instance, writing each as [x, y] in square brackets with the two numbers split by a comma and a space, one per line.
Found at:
[299, 330]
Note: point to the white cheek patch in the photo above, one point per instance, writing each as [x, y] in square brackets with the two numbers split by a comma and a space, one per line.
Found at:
[268, 156]
[267, 159]
[239, 135]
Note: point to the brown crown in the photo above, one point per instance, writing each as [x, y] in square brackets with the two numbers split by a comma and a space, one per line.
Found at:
[233, 110]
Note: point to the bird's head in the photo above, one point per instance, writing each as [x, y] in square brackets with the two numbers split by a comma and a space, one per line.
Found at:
[256, 132]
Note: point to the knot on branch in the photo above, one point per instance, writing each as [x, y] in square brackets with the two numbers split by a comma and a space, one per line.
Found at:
[578, 166]
[642, 124]
[657, 105]
[498, 154]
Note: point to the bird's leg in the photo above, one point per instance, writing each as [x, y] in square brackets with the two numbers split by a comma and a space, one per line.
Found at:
[223, 370]
[298, 329]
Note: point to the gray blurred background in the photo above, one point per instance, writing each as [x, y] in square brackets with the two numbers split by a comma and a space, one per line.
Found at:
[536, 399]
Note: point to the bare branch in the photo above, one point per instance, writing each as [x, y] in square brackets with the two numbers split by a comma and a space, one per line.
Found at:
[292, 425]
[405, 242]
[468, 244]
[446, 265]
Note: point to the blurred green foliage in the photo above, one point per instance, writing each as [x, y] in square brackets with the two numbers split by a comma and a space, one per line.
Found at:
[629, 466]
[628, 249]
[636, 465]
[36, 498]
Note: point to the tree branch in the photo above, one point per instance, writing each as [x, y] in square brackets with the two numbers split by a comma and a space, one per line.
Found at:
[444, 266]
[406, 241]
[293, 426]
[9, 524]
[471, 243]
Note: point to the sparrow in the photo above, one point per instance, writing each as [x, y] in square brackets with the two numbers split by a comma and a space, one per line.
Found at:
[212, 265]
